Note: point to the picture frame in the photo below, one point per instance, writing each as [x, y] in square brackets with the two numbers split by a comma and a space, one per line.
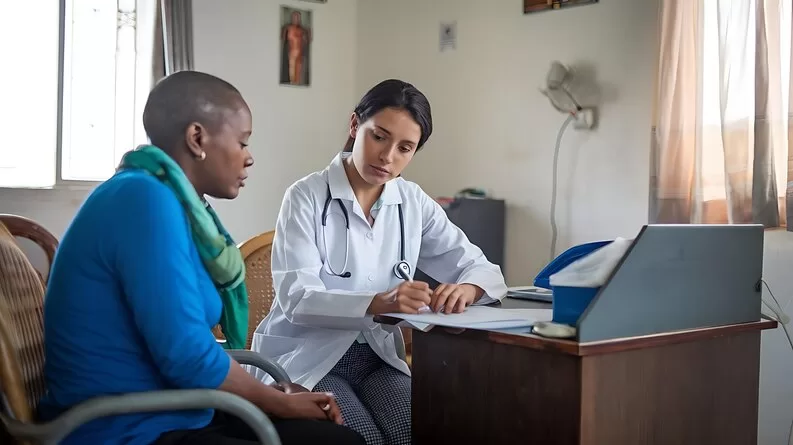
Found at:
[532, 6]
[296, 37]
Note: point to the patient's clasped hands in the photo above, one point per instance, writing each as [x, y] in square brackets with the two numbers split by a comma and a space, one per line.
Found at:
[308, 405]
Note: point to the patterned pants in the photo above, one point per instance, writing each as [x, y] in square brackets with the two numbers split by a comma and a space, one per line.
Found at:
[374, 397]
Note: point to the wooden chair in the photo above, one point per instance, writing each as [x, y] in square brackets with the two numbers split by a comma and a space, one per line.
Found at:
[22, 227]
[22, 364]
[257, 254]
[21, 329]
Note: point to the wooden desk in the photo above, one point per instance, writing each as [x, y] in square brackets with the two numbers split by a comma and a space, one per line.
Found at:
[696, 387]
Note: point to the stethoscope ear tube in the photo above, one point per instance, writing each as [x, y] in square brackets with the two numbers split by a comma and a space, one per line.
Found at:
[399, 268]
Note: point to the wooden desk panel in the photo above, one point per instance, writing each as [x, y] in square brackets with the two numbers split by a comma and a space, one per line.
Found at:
[692, 387]
[696, 393]
[471, 390]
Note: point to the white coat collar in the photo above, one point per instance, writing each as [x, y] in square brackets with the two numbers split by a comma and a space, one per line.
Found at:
[340, 186]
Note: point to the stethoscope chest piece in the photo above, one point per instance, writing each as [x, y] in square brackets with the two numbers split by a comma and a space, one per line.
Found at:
[402, 270]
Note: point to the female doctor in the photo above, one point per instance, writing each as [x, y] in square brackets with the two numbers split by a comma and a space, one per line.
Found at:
[348, 240]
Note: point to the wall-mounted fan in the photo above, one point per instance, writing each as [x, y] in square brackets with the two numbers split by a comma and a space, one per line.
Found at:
[559, 92]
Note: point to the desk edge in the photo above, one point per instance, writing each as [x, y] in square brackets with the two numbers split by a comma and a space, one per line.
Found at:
[572, 347]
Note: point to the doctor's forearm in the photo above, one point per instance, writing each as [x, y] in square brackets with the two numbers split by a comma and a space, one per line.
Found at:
[329, 309]
[488, 281]
[478, 291]
[377, 306]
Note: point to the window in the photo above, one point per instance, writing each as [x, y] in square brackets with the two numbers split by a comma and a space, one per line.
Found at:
[30, 92]
[79, 88]
[739, 58]
[721, 139]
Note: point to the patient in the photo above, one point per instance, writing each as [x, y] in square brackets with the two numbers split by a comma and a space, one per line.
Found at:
[146, 269]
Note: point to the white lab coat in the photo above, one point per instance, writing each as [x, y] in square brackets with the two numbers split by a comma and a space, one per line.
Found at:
[316, 316]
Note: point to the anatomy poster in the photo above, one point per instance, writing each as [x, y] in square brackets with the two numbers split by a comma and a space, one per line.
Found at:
[295, 46]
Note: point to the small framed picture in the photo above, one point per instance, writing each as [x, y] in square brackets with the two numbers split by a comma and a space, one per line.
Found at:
[296, 36]
[530, 6]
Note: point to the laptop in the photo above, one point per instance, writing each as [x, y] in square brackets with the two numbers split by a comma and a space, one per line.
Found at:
[531, 293]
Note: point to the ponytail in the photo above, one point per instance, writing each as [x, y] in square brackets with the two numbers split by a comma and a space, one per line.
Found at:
[348, 145]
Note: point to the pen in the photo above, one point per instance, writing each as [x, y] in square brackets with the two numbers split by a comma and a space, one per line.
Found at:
[402, 273]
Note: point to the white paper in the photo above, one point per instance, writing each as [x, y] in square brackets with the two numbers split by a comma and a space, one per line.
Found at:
[594, 269]
[478, 317]
[423, 327]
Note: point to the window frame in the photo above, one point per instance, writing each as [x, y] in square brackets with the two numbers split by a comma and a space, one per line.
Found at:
[59, 183]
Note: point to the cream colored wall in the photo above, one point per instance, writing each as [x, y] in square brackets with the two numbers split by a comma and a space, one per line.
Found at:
[489, 117]
[493, 128]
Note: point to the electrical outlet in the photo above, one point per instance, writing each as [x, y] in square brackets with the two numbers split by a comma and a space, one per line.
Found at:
[584, 119]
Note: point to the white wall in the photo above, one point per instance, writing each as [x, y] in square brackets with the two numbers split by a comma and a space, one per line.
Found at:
[493, 129]
[776, 367]
[53, 209]
[296, 130]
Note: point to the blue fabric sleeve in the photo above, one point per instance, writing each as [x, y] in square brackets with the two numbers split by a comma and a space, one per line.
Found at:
[153, 260]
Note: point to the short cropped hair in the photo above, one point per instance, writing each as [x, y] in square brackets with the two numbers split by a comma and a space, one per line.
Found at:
[185, 97]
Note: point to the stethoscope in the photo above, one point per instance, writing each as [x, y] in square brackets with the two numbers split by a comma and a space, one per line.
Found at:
[401, 269]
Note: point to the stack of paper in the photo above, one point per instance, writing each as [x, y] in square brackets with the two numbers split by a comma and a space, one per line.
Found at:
[478, 317]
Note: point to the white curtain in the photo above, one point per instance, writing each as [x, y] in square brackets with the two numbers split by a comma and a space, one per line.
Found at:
[174, 37]
[720, 143]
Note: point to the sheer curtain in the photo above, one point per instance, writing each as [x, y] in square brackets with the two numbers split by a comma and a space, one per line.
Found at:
[721, 137]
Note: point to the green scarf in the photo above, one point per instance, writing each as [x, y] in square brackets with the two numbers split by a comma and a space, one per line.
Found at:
[220, 256]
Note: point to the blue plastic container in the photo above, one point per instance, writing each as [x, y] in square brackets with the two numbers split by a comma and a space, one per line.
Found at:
[569, 302]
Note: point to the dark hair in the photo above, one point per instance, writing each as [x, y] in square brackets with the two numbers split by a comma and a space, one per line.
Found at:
[393, 93]
[185, 97]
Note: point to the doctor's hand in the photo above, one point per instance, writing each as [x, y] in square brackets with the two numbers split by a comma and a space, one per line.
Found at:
[454, 298]
[310, 405]
[407, 298]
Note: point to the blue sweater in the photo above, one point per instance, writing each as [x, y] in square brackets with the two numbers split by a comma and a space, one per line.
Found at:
[129, 307]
